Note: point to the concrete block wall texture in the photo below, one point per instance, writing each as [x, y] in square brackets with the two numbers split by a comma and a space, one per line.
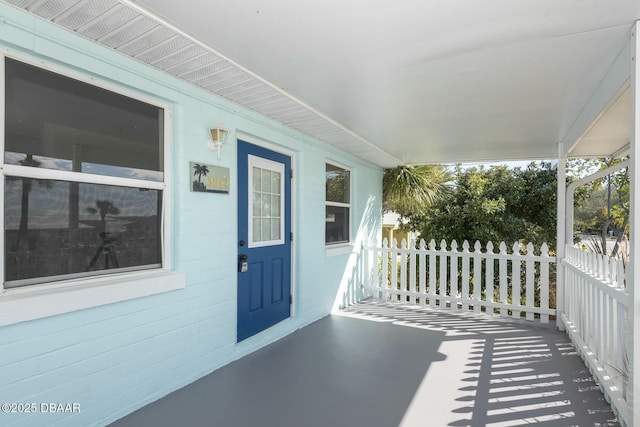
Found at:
[113, 359]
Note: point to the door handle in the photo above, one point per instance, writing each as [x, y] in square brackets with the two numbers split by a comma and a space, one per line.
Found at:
[243, 263]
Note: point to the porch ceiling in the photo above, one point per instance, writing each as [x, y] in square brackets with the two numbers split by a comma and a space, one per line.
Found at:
[392, 82]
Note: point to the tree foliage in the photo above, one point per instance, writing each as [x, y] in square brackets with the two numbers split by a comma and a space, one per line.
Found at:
[502, 204]
[604, 206]
[495, 204]
[410, 190]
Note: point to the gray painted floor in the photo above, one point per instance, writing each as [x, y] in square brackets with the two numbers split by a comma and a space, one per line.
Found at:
[383, 365]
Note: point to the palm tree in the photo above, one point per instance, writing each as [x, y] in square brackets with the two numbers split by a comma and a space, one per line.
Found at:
[104, 207]
[23, 228]
[409, 190]
[200, 171]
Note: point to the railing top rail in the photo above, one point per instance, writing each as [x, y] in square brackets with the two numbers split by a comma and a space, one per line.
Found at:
[518, 250]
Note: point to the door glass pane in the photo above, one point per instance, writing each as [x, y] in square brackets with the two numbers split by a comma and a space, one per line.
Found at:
[275, 229]
[266, 217]
[275, 183]
[257, 230]
[266, 181]
[266, 230]
[266, 205]
[255, 172]
[275, 206]
[257, 205]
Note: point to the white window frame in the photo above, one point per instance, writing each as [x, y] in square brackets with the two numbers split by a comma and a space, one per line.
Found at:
[343, 247]
[18, 304]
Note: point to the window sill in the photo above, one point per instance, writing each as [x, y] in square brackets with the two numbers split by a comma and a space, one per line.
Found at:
[35, 302]
[339, 249]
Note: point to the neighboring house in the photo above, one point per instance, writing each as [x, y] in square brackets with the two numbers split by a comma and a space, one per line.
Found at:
[392, 229]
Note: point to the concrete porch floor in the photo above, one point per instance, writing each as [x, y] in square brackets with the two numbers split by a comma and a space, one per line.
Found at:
[385, 365]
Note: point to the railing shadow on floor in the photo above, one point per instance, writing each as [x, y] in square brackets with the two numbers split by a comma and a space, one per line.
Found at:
[508, 372]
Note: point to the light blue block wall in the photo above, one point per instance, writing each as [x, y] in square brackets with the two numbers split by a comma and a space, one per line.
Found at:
[115, 358]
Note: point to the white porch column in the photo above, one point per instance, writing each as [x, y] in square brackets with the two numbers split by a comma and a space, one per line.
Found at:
[561, 202]
[633, 272]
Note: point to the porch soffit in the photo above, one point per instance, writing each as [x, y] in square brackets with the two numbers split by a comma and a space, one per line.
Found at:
[392, 83]
[610, 133]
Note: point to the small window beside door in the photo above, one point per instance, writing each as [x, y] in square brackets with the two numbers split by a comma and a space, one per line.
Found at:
[338, 205]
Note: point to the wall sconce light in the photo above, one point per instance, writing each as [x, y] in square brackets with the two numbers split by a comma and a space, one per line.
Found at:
[218, 138]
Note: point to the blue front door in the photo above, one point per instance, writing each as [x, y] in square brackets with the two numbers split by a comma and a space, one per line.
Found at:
[264, 238]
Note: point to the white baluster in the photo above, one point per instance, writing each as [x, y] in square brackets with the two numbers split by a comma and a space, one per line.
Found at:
[432, 273]
[490, 282]
[453, 275]
[515, 279]
[443, 273]
[544, 281]
[465, 276]
[478, 284]
[504, 291]
[530, 282]
[422, 264]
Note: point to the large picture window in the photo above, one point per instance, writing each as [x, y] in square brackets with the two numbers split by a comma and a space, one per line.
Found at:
[338, 204]
[83, 179]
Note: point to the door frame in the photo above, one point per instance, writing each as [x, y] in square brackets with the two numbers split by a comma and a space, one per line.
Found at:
[251, 139]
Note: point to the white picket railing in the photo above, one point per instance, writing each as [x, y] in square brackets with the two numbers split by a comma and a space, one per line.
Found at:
[596, 315]
[508, 284]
